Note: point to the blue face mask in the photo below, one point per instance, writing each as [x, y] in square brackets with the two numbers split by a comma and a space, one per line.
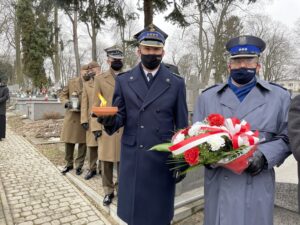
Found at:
[243, 75]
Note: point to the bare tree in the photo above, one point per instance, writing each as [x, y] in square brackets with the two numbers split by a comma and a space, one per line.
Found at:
[278, 55]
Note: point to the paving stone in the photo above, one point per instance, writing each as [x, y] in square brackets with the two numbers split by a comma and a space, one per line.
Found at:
[36, 191]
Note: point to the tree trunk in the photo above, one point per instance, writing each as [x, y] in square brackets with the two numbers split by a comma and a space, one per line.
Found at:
[56, 64]
[94, 42]
[148, 12]
[18, 63]
[75, 41]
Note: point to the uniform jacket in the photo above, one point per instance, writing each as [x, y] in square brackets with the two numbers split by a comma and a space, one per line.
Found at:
[4, 96]
[243, 199]
[86, 107]
[109, 149]
[72, 132]
[149, 116]
[294, 127]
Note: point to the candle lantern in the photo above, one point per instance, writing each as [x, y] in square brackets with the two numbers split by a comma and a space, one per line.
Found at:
[75, 101]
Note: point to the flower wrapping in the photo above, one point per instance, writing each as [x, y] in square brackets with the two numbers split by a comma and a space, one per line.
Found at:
[216, 141]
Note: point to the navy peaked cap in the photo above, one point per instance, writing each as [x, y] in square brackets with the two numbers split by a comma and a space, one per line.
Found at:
[151, 36]
[245, 46]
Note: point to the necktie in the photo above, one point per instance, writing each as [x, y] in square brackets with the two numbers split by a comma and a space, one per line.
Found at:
[150, 77]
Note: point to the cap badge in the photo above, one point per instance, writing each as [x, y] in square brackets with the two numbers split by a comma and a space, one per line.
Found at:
[242, 40]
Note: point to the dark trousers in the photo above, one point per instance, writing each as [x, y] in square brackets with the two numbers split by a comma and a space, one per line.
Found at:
[107, 177]
[69, 157]
[2, 126]
[93, 158]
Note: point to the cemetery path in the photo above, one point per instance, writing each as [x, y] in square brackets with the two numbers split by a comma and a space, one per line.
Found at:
[32, 190]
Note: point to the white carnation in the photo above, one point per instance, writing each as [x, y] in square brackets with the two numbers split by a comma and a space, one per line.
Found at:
[195, 129]
[179, 137]
[216, 143]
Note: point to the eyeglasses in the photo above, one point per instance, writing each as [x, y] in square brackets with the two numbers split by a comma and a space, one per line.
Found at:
[245, 61]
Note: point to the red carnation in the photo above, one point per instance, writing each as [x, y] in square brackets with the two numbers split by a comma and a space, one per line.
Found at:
[192, 156]
[215, 120]
[185, 131]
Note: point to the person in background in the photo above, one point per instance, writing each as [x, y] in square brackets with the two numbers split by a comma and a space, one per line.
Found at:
[87, 121]
[72, 132]
[109, 149]
[4, 96]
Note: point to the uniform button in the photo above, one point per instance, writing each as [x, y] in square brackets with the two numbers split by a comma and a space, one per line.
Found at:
[143, 109]
[141, 146]
[142, 126]
[157, 111]
[226, 177]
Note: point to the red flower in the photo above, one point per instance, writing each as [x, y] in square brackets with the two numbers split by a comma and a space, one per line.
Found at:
[185, 131]
[191, 156]
[215, 120]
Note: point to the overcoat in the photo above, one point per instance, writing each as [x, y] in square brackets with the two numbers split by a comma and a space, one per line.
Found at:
[86, 107]
[109, 148]
[245, 199]
[294, 127]
[149, 116]
[4, 96]
[72, 132]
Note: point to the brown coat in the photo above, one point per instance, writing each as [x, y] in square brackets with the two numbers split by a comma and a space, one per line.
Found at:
[109, 149]
[86, 106]
[72, 131]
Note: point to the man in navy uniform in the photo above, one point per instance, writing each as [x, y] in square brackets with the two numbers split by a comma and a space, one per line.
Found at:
[248, 198]
[152, 105]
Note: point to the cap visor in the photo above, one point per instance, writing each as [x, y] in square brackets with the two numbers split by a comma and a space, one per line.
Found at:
[152, 43]
[243, 56]
[116, 57]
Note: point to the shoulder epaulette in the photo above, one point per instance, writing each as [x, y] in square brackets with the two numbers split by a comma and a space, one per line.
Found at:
[215, 85]
[177, 75]
[120, 74]
[278, 85]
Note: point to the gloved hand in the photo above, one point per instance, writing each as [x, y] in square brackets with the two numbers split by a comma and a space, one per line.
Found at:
[85, 126]
[97, 134]
[178, 175]
[107, 120]
[208, 166]
[68, 105]
[256, 163]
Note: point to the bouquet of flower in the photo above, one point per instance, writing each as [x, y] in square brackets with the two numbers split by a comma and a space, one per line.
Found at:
[216, 141]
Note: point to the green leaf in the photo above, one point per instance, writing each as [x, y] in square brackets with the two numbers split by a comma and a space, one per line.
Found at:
[164, 147]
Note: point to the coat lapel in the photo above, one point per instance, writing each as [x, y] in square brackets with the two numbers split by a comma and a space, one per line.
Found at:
[109, 78]
[160, 84]
[228, 98]
[137, 84]
[252, 101]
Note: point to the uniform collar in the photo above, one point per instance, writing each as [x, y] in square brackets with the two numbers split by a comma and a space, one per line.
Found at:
[261, 83]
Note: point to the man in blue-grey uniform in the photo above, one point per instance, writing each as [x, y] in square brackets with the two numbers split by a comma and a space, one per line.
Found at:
[246, 199]
[152, 105]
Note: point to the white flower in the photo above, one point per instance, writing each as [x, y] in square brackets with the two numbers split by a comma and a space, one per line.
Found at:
[216, 143]
[195, 129]
[178, 138]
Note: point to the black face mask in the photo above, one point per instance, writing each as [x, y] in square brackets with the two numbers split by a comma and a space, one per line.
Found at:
[243, 75]
[151, 61]
[86, 77]
[91, 74]
[116, 65]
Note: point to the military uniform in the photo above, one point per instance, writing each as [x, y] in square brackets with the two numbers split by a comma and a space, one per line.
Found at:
[150, 111]
[248, 198]
[72, 132]
[86, 106]
[109, 149]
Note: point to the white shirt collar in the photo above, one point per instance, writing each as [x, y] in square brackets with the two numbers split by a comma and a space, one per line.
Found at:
[154, 72]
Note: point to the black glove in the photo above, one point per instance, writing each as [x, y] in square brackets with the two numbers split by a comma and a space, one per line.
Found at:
[256, 163]
[208, 166]
[68, 105]
[97, 134]
[178, 175]
[107, 120]
[85, 126]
